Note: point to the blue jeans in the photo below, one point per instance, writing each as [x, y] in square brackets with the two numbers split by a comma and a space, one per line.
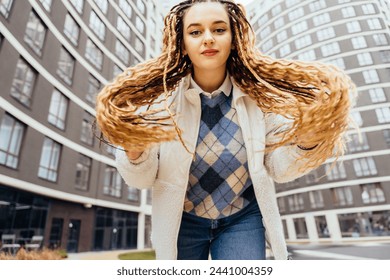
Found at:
[240, 236]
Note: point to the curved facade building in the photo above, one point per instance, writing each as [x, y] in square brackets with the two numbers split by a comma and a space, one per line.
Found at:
[56, 179]
[352, 201]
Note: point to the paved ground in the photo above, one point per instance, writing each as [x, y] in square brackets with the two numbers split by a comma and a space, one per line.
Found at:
[357, 251]
[103, 255]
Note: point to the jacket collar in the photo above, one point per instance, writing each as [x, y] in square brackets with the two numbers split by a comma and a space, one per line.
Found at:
[226, 87]
[192, 94]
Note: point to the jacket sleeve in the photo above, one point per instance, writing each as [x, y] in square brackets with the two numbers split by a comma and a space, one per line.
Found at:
[140, 173]
[285, 163]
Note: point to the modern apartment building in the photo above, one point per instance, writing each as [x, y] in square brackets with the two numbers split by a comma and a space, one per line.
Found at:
[56, 179]
[351, 201]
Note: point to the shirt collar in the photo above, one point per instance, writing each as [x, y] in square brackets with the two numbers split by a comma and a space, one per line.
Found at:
[226, 88]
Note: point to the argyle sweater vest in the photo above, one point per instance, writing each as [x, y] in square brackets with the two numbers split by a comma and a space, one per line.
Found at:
[219, 183]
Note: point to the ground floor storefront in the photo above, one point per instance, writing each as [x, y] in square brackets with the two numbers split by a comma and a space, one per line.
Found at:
[71, 226]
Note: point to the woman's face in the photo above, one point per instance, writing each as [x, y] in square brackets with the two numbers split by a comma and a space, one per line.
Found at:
[207, 36]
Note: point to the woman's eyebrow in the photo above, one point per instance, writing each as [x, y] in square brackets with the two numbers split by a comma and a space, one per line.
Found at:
[199, 24]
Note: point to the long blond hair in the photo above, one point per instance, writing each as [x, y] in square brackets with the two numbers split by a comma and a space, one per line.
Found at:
[313, 96]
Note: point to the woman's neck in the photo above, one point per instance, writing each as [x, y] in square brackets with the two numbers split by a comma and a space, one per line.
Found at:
[209, 81]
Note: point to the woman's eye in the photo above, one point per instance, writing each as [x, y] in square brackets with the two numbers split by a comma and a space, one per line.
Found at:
[195, 32]
[220, 30]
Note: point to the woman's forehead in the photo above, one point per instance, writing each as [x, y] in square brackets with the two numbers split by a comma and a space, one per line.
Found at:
[206, 12]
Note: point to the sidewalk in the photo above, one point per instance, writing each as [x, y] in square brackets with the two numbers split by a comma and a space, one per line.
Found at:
[101, 255]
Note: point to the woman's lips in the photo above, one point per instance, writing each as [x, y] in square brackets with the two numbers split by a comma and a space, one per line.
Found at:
[210, 52]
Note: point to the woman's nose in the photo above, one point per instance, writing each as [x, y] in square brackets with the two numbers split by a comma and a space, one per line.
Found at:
[208, 38]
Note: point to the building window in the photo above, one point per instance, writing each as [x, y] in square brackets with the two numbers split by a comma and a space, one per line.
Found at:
[78, 4]
[326, 33]
[276, 10]
[316, 199]
[322, 227]
[285, 50]
[112, 182]
[368, 9]
[5, 7]
[353, 27]
[141, 7]
[139, 46]
[303, 42]
[140, 25]
[265, 32]
[132, 194]
[86, 129]
[299, 27]
[11, 135]
[359, 42]
[103, 5]
[279, 22]
[35, 33]
[358, 144]
[371, 76]
[290, 3]
[71, 29]
[97, 25]
[339, 62]
[307, 56]
[385, 56]
[357, 118]
[348, 12]
[281, 204]
[330, 49]
[46, 4]
[83, 170]
[372, 193]
[122, 52]
[126, 8]
[93, 88]
[374, 24]
[364, 166]
[66, 66]
[94, 54]
[317, 5]
[292, 184]
[267, 45]
[123, 28]
[383, 114]
[342, 196]
[386, 135]
[281, 36]
[321, 19]
[263, 19]
[380, 39]
[23, 83]
[116, 71]
[300, 228]
[50, 158]
[364, 59]
[377, 95]
[58, 109]
[110, 150]
[296, 202]
[335, 172]
[297, 13]
[312, 177]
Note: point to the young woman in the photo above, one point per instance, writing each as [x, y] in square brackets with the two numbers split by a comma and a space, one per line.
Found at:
[211, 123]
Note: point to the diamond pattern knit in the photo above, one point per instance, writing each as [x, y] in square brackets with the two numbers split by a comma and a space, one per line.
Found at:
[219, 183]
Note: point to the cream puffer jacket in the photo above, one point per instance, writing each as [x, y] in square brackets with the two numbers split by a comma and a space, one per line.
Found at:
[165, 169]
